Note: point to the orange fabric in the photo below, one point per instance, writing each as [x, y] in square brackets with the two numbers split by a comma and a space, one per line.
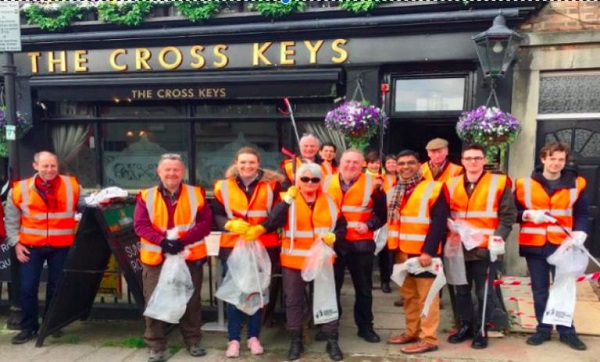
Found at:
[356, 204]
[389, 182]
[415, 290]
[254, 211]
[451, 170]
[477, 209]
[189, 202]
[309, 225]
[531, 194]
[41, 226]
[328, 169]
[409, 235]
[287, 167]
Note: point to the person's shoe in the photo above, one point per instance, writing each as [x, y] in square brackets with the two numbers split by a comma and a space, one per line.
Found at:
[296, 346]
[573, 341]
[369, 335]
[159, 356]
[538, 338]
[333, 350]
[321, 336]
[465, 332]
[233, 349]
[24, 336]
[399, 302]
[401, 339]
[254, 346]
[196, 351]
[480, 341]
[385, 287]
[419, 347]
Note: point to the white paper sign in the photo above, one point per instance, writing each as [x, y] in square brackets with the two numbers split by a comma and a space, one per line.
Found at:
[11, 132]
[10, 27]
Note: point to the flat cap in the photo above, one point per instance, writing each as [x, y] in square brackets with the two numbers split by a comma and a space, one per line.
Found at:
[436, 144]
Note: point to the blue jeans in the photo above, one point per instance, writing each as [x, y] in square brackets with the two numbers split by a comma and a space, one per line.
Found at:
[30, 281]
[540, 270]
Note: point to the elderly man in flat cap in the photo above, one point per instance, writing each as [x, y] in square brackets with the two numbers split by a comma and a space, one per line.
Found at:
[438, 168]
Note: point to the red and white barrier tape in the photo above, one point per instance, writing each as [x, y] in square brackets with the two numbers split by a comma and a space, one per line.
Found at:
[592, 276]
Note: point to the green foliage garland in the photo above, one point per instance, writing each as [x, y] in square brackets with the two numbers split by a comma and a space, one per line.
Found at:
[130, 14]
[197, 11]
[277, 9]
[53, 19]
[359, 6]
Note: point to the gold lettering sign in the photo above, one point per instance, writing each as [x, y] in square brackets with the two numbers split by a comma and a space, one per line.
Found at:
[178, 93]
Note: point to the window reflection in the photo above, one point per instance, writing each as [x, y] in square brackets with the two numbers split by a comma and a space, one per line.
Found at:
[435, 94]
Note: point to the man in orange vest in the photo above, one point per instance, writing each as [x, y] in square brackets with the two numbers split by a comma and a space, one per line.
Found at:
[363, 205]
[309, 152]
[40, 225]
[172, 204]
[438, 167]
[417, 217]
[552, 198]
[485, 201]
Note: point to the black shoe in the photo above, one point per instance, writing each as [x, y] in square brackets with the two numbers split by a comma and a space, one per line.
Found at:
[321, 336]
[480, 341]
[573, 341]
[24, 336]
[385, 287]
[538, 338]
[333, 348]
[296, 346]
[369, 335]
[465, 332]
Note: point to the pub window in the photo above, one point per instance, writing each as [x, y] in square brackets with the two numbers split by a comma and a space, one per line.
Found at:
[75, 146]
[569, 92]
[67, 109]
[428, 94]
[127, 110]
[131, 151]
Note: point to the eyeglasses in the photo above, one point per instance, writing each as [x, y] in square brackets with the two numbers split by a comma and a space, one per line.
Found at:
[314, 180]
[408, 163]
[471, 159]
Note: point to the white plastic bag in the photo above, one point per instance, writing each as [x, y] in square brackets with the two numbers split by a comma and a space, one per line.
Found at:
[560, 307]
[470, 236]
[569, 259]
[319, 267]
[454, 261]
[248, 303]
[250, 266]
[173, 290]
[380, 238]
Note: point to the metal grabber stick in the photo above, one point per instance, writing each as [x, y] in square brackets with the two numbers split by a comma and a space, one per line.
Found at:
[293, 206]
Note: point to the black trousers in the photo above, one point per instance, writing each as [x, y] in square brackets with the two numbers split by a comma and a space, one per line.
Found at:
[476, 275]
[384, 259]
[360, 266]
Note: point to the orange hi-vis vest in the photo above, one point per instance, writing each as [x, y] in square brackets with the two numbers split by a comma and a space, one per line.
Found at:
[409, 234]
[389, 182]
[531, 194]
[237, 206]
[481, 209]
[40, 226]
[189, 202]
[451, 170]
[328, 169]
[309, 225]
[356, 203]
[289, 170]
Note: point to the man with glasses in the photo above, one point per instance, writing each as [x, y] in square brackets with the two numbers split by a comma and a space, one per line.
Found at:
[438, 167]
[483, 200]
[551, 199]
[417, 217]
[363, 205]
[172, 204]
[309, 150]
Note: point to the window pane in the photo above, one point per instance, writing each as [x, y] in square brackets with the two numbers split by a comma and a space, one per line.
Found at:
[74, 144]
[68, 109]
[143, 111]
[569, 94]
[419, 95]
[132, 149]
[218, 141]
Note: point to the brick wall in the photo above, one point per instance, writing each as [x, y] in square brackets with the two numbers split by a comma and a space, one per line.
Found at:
[565, 16]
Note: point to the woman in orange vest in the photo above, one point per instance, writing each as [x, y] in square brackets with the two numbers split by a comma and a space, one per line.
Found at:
[243, 202]
[316, 217]
[327, 154]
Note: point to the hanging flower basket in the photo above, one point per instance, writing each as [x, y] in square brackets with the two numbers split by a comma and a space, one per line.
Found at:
[23, 124]
[490, 127]
[357, 122]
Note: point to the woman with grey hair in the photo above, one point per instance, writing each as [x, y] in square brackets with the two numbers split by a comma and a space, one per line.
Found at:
[314, 216]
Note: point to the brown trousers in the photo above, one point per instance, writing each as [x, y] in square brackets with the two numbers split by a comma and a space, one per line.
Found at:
[414, 290]
[155, 335]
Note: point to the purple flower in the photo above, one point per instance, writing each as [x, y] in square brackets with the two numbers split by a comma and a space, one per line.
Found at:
[488, 126]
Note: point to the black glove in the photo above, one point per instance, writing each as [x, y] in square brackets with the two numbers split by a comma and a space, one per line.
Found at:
[171, 246]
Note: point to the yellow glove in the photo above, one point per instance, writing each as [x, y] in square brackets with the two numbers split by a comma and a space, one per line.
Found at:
[237, 226]
[291, 194]
[254, 232]
[328, 238]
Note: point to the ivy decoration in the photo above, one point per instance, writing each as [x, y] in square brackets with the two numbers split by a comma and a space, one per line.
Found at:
[124, 13]
[53, 17]
[197, 11]
[359, 6]
[278, 8]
